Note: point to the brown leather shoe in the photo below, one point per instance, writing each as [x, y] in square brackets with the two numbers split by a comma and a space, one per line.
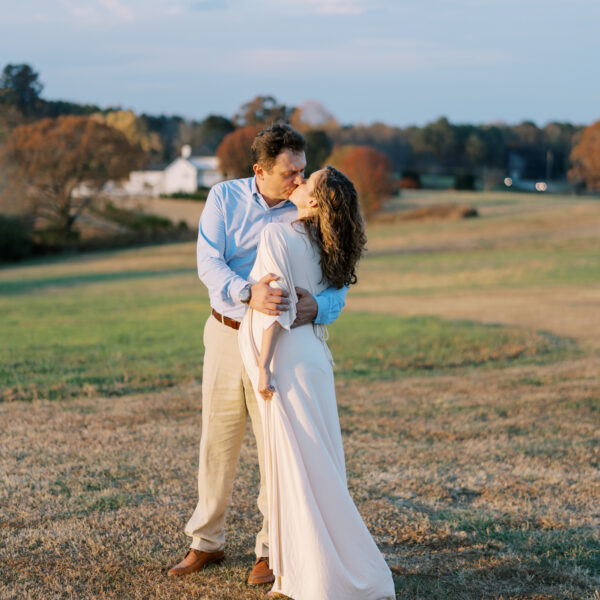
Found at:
[195, 560]
[261, 573]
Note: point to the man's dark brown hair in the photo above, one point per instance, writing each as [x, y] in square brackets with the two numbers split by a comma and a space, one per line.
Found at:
[272, 141]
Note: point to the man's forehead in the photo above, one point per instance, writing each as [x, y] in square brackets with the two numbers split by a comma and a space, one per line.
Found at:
[290, 161]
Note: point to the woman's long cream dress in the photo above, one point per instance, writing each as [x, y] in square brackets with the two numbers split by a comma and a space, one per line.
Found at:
[319, 546]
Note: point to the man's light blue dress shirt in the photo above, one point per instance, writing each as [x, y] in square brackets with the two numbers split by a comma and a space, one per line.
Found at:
[228, 234]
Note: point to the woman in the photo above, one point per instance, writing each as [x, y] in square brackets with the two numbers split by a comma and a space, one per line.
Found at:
[319, 546]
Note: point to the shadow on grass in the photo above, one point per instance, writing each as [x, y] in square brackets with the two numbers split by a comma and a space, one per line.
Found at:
[473, 555]
[8, 288]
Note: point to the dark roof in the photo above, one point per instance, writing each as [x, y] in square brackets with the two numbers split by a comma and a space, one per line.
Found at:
[156, 167]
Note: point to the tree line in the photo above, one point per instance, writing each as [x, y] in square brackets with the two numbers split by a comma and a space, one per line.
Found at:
[48, 147]
[437, 147]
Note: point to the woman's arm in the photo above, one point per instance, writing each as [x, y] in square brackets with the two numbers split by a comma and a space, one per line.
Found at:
[267, 348]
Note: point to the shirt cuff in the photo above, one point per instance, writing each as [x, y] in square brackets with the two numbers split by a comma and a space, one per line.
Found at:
[235, 288]
[323, 309]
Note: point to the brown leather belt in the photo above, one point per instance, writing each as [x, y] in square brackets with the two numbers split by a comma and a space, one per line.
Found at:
[225, 320]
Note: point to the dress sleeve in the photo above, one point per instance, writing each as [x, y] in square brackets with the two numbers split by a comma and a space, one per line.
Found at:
[273, 257]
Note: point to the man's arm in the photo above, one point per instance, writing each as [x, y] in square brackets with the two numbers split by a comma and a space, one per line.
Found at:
[216, 274]
[323, 309]
[213, 271]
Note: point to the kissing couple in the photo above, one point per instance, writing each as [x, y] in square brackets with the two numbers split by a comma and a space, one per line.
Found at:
[277, 253]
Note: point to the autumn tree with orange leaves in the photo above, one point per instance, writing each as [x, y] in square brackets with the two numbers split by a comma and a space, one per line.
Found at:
[585, 158]
[234, 152]
[370, 171]
[47, 160]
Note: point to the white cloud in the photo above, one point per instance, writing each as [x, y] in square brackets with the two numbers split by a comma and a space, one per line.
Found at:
[337, 7]
[409, 54]
[80, 12]
[97, 10]
[204, 5]
[360, 57]
[117, 9]
[174, 10]
[324, 7]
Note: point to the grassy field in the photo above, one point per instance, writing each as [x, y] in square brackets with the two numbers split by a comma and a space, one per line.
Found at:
[468, 376]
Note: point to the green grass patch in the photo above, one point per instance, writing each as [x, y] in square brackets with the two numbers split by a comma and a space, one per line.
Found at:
[22, 286]
[126, 322]
[385, 347]
[548, 548]
[106, 338]
[122, 336]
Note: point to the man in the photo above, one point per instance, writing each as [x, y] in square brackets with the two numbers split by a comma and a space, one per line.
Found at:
[236, 211]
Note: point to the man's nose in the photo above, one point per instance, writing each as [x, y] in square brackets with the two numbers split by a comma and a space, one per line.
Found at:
[299, 179]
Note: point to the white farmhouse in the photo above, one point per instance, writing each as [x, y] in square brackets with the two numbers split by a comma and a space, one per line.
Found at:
[145, 183]
[184, 174]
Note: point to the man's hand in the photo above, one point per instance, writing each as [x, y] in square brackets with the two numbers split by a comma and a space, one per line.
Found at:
[306, 308]
[268, 300]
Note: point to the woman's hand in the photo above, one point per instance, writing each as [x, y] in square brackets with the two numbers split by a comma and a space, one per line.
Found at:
[265, 385]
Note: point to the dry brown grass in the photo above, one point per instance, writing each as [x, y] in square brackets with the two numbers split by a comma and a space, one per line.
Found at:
[499, 226]
[96, 492]
[480, 483]
[428, 213]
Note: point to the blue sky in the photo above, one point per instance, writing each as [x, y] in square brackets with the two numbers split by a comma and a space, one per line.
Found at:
[366, 60]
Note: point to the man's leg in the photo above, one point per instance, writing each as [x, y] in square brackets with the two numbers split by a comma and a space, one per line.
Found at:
[223, 423]
[261, 572]
[262, 539]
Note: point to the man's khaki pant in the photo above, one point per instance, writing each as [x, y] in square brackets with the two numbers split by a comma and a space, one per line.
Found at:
[227, 399]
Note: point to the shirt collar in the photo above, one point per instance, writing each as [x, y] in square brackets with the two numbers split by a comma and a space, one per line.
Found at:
[254, 187]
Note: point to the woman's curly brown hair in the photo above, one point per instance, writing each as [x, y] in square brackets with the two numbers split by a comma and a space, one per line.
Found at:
[338, 228]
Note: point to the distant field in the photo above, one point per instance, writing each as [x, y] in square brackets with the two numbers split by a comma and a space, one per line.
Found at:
[468, 370]
[86, 331]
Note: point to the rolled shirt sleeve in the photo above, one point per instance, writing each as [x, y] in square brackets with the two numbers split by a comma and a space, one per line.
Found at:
[330, 303]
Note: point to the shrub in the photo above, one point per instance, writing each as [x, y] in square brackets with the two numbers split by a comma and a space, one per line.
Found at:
[464, 181]
[149, 226]
[200, 195]
[411, 180]
[15, 239]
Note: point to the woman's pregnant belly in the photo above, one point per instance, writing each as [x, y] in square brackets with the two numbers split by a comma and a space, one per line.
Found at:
[299, 353]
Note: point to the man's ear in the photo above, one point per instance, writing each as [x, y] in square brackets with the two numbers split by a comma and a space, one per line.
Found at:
[258, 170]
